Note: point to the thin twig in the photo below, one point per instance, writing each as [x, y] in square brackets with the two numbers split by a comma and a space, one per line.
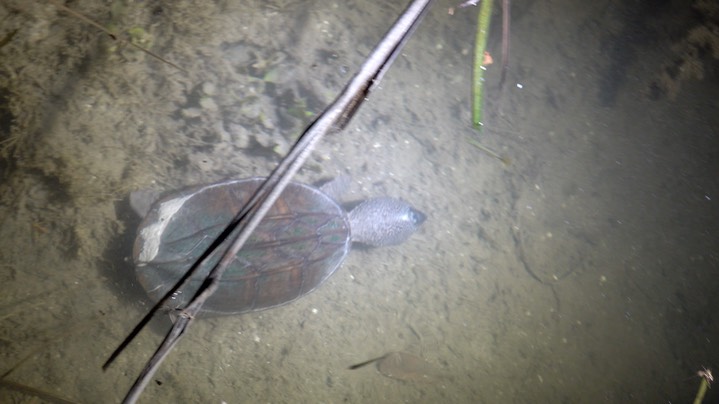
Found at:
[475, 143]
[111, 34]
[505, 41]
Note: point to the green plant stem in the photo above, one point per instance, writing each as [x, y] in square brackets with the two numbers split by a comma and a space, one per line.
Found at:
[702, 391]
[480, 43]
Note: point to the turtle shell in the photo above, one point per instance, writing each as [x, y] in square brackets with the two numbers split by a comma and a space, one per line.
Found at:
[297, 246]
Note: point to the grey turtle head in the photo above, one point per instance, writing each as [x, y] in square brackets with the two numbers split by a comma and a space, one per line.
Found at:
[384, 221]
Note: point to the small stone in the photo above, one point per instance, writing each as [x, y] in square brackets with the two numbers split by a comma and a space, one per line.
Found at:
[208, 103]
[191, 113]
[209, 89]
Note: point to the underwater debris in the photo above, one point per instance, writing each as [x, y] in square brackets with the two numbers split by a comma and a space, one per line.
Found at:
[692, 53]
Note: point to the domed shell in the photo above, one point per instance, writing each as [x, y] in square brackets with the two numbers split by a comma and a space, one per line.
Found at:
[298, 245]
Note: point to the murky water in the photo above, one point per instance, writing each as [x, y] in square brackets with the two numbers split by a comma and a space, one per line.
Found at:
[583, 271]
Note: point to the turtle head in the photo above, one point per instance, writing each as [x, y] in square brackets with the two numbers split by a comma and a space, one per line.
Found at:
[384, 221]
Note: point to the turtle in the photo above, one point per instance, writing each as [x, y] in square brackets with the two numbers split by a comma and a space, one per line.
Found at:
[302, 240]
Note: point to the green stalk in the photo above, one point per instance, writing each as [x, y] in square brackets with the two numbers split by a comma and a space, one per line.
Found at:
[702, 391]
[480, 43]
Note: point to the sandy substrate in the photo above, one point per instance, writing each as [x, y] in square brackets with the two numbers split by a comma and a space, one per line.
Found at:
[579, 272]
